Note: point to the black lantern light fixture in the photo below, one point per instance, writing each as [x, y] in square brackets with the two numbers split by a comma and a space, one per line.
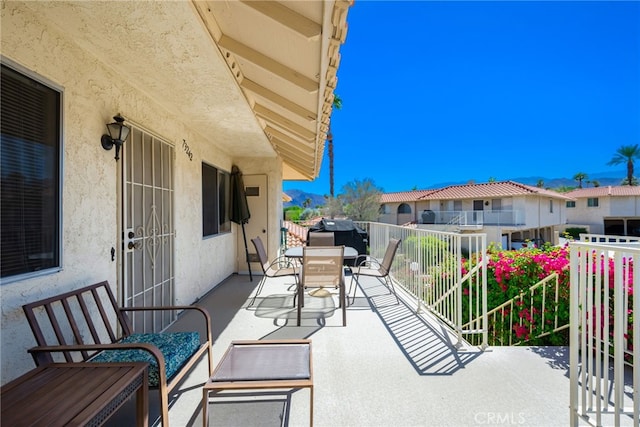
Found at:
[118, 134]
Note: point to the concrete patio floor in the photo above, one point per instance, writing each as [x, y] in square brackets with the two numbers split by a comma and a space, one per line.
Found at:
[387, 367]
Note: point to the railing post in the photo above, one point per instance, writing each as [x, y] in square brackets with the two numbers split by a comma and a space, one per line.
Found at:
[458, 271]
[574, 328]
[485, 320]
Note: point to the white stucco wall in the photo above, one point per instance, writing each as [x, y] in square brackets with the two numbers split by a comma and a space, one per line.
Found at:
[92, 94]
[591, 216]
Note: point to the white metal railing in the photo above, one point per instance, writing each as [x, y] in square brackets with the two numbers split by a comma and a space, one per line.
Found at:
[534, 313]
[602, 335]
[428, 266]
[605, 238]
[480, 217]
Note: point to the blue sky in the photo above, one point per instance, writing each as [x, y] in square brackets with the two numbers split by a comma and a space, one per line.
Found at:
[437, 92]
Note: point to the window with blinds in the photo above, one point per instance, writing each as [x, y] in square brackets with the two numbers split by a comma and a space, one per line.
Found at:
[30, 175]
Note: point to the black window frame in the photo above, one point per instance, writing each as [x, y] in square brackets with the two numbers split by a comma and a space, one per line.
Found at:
[39, 239]
[571, 204]
[216, 198]
[404, 208]
[593, 202]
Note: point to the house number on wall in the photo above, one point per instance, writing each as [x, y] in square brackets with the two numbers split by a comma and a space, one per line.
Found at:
[187, 150]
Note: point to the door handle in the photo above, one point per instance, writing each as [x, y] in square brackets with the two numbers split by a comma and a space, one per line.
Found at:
[134, 245]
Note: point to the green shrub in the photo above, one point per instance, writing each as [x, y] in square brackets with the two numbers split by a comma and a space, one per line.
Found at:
[292, 213]
[574, 232]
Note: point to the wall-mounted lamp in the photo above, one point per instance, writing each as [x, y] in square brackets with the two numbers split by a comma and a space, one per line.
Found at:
[118, 134]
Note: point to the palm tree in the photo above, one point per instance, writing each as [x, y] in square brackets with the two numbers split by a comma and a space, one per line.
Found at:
[580, 176]
[337, 104]
[626, 154]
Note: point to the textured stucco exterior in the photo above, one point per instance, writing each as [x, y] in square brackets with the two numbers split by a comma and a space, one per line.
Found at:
[623, 207]
[92, 93]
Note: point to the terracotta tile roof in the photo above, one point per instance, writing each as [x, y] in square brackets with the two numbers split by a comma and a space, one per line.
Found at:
[617, 191]
[490, 190]
[404, 196]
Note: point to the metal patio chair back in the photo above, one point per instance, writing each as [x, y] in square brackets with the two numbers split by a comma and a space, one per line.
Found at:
[323, 267]
[279, 267]
[371, 267]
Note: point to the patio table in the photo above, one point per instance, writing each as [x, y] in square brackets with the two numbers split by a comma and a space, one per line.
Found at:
[262, 364]
[296, 252]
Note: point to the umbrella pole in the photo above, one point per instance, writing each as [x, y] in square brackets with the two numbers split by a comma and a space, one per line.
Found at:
[246, 252]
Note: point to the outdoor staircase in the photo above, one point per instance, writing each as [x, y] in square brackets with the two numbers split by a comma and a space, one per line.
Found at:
[530, 315]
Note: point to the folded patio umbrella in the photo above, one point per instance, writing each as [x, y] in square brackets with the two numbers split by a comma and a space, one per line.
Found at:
[240, 208]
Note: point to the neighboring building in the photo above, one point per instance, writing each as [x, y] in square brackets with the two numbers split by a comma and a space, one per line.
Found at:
[402, 207]
[203, 86]
[606, 210]
[505, 210]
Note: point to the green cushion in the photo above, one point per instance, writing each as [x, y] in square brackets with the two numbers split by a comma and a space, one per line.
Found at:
[176, 347]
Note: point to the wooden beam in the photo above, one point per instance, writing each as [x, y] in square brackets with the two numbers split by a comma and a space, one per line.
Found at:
[291, 140]
[292, 159]
[306, 166]
[283, 122]
[293, 149]
[285, 103]
[287, 17]
[269, 64]
[292, 173]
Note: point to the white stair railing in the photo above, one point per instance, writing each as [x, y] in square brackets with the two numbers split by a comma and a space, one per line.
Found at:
[604, 343]
[428, 266]
[534, 313]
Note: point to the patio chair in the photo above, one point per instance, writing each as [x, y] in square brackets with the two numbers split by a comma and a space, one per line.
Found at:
[322, 267]
[316, 238]
[280, 267]
[369, 266]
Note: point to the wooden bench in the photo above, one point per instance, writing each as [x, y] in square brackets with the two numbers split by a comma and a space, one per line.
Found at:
[87, 325]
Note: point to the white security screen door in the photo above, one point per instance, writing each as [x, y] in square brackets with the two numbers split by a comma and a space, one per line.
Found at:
[148, 229]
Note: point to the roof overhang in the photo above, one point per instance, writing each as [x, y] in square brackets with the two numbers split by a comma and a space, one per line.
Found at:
[256, 78]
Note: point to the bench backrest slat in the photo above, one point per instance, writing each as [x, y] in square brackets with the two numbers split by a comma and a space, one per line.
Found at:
[56, 329]
[87, 318]
[74, 326]
[92, 310]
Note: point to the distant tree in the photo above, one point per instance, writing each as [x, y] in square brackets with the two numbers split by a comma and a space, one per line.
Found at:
[333, 207]
[337, 104]
[564, 189]
[595, 183]
[540, 183]
[306, 203]
[580, 176]
[361, 200]
[492, 179]
[626, 154]
[308, 213]
[292, 213]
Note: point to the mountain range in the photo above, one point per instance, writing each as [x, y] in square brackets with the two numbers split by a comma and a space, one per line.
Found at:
[298, 197]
